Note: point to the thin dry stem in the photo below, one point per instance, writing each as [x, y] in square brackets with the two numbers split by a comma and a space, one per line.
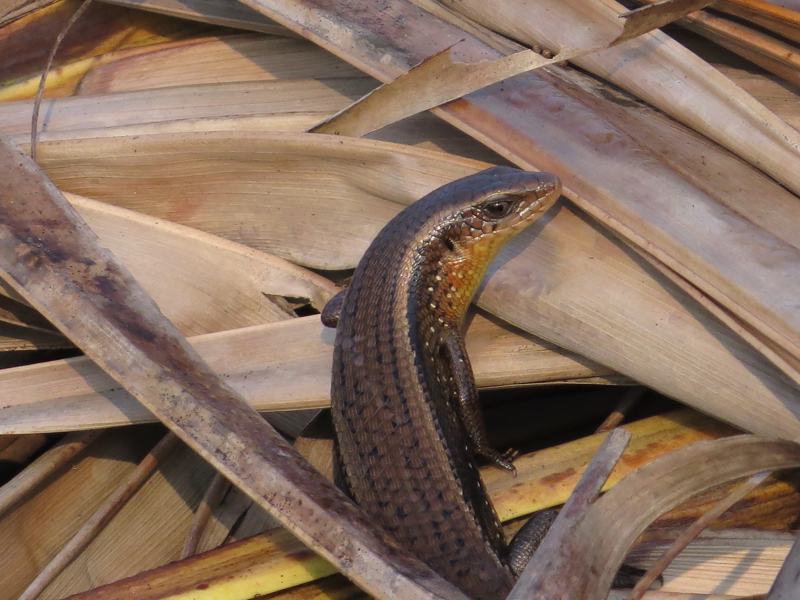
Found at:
[621, 410]
[692, 532]
[60, 454]
[100, 518]
[213, 496]
[40, 92]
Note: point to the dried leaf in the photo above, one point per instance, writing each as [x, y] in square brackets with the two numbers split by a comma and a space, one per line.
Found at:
[603, 170]
[734, 562]
[99, 519]
[654, 16]
[190, 102]
[447, 75]
[25, 44]
[214, 60]
[766, 51]
[44, 466]
[30, 538]
[172, 262]
[545, 283]
[282, 366]
[779, 19]
[785, 585]
[273, 561]
[659, 70]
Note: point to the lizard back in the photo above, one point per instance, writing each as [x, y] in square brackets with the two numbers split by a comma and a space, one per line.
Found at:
[407, 457]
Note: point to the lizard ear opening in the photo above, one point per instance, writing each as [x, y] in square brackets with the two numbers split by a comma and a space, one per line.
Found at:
[450, 244]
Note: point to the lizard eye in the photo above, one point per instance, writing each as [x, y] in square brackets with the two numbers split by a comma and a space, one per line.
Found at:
[497, 209]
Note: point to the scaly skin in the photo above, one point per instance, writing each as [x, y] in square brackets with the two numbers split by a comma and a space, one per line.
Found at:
[404, 400]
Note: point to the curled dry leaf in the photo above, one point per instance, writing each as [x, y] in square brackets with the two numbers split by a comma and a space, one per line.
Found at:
[172, 262]
[656, 570]
[602, 536]
[657, 69]
[314, 200]
[570, 516]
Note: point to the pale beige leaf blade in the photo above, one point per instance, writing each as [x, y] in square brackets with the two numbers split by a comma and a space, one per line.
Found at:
[736, 562]
[173, 262]
[22, 484]
[657, 69]
[214, 60]
[76, 492]
[100, 518]
[188, 102]
[610, 176]
[281, 366]
[258, 188]
[560, 307]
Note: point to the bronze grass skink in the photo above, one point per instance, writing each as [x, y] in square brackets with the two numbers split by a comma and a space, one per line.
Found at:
[404, 401]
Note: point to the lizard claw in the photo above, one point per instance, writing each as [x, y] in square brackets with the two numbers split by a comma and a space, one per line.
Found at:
[504, 459]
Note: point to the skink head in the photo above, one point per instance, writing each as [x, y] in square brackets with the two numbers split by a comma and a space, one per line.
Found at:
[505, 201]
[464, 224]
[478, 214]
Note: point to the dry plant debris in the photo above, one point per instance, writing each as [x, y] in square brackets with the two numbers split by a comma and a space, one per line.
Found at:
[189, 145]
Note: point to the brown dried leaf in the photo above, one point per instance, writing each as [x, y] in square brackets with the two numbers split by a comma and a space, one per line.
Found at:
[447, 75]
[214, 60]
[268, 98]
[273, 561]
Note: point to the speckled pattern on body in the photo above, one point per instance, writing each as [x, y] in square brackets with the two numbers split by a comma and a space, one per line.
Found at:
[401, 372]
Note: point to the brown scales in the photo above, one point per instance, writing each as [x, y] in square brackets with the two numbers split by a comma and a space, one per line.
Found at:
[404, 400]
